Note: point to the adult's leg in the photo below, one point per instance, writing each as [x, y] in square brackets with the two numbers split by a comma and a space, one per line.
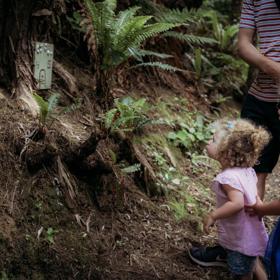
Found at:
[264, 114]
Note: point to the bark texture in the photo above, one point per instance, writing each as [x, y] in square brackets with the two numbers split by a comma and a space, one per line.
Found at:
[22, 22]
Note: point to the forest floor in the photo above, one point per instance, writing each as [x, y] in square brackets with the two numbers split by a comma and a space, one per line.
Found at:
[51, 228]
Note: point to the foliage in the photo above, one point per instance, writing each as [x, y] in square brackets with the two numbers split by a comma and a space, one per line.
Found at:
[223, 34]
[132, 168]
[192, 133]
[160, 65]
[230, 72]
[185, 18]
[46, 107]
[128, 115]
[50, 235]
[179, 210]
[184, 206]
[222, 6]
[213, 62]
[3, 276]
[190, 38]
[197, 62]
[117, 36]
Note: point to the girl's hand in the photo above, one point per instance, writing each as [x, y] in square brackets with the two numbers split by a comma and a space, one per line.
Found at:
[207, 223]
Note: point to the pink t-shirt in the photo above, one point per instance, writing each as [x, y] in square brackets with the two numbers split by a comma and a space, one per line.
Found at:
[240, 232]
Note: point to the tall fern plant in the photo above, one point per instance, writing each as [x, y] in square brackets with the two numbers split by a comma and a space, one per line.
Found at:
[114, 38]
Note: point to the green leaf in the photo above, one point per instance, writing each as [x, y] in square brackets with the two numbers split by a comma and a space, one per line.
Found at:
[43, 106]
[132, 168]
[139, 54]
[182, 135]
[190, 38]
[52, 102]
[163, 66]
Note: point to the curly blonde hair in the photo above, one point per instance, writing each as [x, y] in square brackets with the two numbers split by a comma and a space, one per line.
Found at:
[240, 142]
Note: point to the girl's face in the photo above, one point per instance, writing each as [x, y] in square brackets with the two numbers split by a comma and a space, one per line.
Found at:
[212, 146]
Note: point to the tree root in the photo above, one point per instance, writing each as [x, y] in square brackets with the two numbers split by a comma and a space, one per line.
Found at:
[68, 78]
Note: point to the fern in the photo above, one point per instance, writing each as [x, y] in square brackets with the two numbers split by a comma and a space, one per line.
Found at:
[127, 116]
[52, 102]
[190, 39]
[117, 34]
[43, 107]
[175, 15]
[162, 66]
[132, 168]
[46, 107]
[139, 54]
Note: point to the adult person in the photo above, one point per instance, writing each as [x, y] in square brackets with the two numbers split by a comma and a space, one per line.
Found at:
[262, 17]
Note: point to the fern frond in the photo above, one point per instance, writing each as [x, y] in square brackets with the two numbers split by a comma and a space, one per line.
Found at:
[175, 15]
[52, 102]
[151, 30]
[109, 117]
[43, 106]
[132, 168]
[111, 4]
[163, 66]
[129, 31]
[190, 39]
[139, 54]
[101, 16]
[124, 17]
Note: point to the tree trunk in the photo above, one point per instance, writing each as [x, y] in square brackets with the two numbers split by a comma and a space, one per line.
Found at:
[22, 22]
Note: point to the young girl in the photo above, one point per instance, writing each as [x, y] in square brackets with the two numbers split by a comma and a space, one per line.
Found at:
[236, 145]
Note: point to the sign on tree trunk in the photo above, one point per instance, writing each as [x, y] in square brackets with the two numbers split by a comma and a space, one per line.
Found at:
[43, 61]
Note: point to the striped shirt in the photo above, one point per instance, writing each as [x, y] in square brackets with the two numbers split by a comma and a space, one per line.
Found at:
[264, 16]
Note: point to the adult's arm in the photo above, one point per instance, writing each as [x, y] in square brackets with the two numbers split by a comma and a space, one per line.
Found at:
[266, 209]
[252, 56]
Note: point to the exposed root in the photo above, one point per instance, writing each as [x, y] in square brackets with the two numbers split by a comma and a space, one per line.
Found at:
[25, 99]
[68, 78]
[67, 184]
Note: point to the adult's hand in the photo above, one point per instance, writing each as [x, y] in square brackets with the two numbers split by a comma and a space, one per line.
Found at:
[256, 209]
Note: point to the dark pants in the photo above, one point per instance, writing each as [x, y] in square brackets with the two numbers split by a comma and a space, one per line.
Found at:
[264, 114]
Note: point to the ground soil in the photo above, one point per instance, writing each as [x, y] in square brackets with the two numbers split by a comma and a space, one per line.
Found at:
[52, 228]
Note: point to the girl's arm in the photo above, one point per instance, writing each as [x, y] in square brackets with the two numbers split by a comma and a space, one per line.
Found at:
[231, 207]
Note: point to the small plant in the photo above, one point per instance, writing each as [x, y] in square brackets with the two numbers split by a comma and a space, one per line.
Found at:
[3, 276]
[179, 210]
[223, 35]
[192, 134]
[184, 206]
[50, 235]
[132, 168]
[46, 107]
[197, 63]
[128, 115]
